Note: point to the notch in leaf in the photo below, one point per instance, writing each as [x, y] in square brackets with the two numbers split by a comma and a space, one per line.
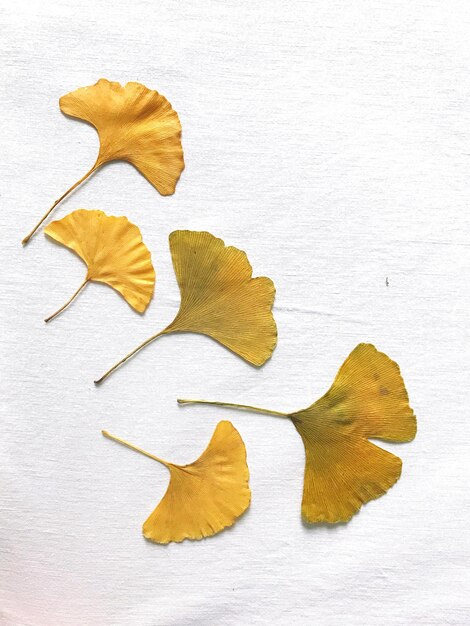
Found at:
[203, 497]
[134, 124]
[219, 298]
[343, 469]
[113, 252]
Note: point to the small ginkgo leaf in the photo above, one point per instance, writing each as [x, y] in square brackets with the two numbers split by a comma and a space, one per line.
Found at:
[343, 470]
[134, 124]
[113, 252]
[203, 497]
[219, 298]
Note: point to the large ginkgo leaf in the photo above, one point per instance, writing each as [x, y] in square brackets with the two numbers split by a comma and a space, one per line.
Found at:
[134, 124]
[203, 497]
[219, 298]
[113, 252]
[343, 470]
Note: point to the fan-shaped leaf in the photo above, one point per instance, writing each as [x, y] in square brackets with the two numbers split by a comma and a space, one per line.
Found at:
[343, 470]
[134, 124]
[113, 252]
[203, 497]
[219, 298]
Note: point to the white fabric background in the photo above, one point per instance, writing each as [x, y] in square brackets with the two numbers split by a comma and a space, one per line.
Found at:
[331, 142]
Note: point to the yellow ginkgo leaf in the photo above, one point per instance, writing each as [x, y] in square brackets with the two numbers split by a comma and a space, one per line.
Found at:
[203, 497]
[113, 252]
[343, 470]
[219, 298]
[134, 124]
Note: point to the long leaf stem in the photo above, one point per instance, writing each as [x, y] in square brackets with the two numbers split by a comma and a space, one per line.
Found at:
[230, 405]
[130, 355]
[135, 448]
[74, 186]
[69, 301]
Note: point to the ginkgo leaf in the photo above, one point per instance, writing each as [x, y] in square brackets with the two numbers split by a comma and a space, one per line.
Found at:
[113, 252]
[219, 298]
[203, 497]
[134, 124]
[343, 470]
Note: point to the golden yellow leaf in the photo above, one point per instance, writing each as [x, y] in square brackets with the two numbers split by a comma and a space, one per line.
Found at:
[219, 298]
[203, 497]
[343, 470]
[113, 252]
[134, 124]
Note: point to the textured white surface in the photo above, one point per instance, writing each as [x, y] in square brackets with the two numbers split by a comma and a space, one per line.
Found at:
[331, 141]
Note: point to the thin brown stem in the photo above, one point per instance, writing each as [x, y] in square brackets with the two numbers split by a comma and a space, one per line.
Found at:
[82, 286]
[79, 182]
[135, 448]
[130, 355]
[230, 405]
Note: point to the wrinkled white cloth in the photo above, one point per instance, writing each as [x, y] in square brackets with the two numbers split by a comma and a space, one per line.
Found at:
[331, 142]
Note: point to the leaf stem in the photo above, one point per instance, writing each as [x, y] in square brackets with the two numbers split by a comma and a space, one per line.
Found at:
[69, 301]
[74, 186]
[131, 354]
[135, 448]
[242, 407]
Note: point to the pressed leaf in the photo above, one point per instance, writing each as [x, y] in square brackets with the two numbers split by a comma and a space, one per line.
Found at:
[203, 497]
[219, 298]
[343, 470]
[134, 124]
[113, 252]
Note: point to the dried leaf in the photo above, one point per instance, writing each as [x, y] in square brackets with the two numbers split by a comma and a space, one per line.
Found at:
[343, 470]
[134, 124]
[219, 298]
[113, 252]
[203, 497]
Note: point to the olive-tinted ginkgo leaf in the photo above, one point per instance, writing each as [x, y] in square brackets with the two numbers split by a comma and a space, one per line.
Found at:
[113, 252]
[219, 298]
[343, 469]
[134, 124]
[203, 497]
